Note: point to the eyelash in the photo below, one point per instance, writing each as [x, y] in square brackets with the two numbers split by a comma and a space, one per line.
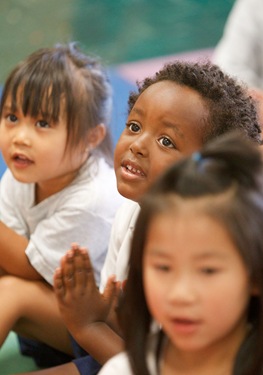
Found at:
[9, 117]
[161, 268]
[171, 145]
[42, 122]
[131, 124]
[12, 118]
[209, 270]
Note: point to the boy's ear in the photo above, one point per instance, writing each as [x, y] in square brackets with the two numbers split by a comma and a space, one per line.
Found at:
[96, 136]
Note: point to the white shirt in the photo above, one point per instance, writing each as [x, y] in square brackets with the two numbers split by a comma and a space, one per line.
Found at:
[82, 212]
[120, 364]
[240, 50]
[117, 365]
[117, 258]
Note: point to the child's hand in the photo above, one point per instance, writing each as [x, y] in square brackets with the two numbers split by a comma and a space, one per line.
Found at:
[79, 299]
[112, 294]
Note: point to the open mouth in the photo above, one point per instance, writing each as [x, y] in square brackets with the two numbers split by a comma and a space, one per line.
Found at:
[21, 159]
[185, 325]
[134, 170]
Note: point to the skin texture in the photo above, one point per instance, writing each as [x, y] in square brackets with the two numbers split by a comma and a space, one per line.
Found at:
[34, 151]
[186, 289]
[74, 280]
[163, 126]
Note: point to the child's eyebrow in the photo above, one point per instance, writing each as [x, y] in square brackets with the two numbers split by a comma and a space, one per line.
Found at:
[137, 111]
[155, 252]
[166, 124]
[174, 128]
[210, 255]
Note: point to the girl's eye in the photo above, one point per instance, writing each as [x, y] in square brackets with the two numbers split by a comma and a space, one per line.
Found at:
[166, 142]
[134, 127]
[42, 124]
[209, 270]
[162, 267]
[11, 118]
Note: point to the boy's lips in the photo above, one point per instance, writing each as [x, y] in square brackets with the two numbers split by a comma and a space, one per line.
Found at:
[132, 168]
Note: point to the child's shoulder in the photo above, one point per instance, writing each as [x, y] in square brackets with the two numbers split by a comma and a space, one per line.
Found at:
[119, 364]
[128, 212]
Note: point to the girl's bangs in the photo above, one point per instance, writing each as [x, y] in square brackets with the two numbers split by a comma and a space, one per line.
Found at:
[35, 93]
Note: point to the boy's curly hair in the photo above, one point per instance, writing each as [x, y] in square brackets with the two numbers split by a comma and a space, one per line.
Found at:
[229, 105]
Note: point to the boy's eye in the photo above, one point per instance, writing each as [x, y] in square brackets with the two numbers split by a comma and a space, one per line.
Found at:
[166, 142]
[42, 124]
[11, 118]
[134, 127]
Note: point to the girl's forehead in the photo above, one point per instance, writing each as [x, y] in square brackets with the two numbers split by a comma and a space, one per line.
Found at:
[39, 102]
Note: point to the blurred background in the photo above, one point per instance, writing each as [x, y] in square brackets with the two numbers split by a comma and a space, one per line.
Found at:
[117, 30]
[133, 38]
[121, 32]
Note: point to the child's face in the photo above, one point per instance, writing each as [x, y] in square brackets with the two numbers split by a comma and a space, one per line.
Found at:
[196, 284]
[162, 127]
[34, 150]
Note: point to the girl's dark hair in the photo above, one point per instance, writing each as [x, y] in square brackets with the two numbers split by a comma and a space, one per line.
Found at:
[226, 180]
[228, 103]
[63, 79]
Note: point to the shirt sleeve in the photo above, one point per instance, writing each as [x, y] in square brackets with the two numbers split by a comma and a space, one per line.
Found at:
[116, 262]
[117, 365]
[53, 236]
[10, 212]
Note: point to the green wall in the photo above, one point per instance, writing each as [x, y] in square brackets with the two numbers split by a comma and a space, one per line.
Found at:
[117, 30]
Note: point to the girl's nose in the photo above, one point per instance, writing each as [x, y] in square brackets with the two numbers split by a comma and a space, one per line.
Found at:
[22, 136]
[140, 146]
[182, 291]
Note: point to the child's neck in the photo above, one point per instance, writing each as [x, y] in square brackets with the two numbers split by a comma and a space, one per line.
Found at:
[218, 360]
[46, 189]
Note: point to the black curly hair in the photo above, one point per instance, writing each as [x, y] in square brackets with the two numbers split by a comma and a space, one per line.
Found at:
[229, 105]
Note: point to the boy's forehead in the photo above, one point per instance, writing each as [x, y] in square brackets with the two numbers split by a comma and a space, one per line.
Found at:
[172, 105]
[172, 90]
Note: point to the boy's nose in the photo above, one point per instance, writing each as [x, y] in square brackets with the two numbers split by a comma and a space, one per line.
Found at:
[140, 146]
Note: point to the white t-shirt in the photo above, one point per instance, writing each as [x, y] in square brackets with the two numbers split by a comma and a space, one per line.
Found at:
[82, 212]
[117, 258]
[120, 364]
[240, 50]
[117, 365]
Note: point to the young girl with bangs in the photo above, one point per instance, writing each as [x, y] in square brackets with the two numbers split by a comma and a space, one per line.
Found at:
[59, 185]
